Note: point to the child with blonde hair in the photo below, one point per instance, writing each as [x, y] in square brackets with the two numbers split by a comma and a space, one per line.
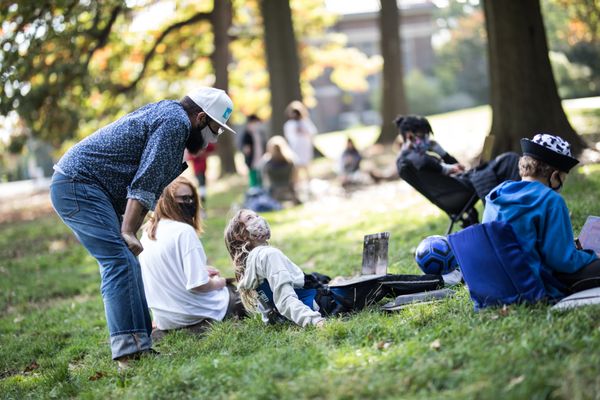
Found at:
[255, 263]
[273, 285]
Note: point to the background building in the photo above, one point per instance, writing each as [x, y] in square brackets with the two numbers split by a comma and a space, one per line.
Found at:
[338, 109]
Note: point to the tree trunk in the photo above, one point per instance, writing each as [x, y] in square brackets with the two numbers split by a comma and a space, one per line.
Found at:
[221, 21]
[393, 98]
[282, 59]
[524, 97]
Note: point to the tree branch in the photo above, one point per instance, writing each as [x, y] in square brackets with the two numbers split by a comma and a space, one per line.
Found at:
[103, 35]
[200, 16]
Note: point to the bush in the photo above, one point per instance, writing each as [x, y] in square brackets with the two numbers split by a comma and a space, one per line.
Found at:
[423, 93]
[573, 80]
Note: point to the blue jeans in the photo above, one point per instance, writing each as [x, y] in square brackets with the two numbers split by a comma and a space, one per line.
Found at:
[88, 211]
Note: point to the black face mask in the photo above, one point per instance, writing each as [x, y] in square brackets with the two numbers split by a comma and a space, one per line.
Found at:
[195, 141]
[189, 209]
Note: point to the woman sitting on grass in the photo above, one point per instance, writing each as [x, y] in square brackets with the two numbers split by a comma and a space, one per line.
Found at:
[182, 290]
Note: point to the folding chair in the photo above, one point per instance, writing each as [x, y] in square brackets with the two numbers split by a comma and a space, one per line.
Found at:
[449, 194]
[495, 267]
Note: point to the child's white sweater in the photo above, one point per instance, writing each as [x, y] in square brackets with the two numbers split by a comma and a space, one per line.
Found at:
[266, 262]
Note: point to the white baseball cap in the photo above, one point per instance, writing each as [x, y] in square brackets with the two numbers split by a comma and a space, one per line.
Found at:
[215, 103]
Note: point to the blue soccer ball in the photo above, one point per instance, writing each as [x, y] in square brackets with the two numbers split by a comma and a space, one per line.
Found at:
[434, 256]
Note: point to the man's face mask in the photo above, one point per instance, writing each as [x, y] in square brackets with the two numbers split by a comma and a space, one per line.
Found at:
[200, 137]
[259, 229]
[195, 141]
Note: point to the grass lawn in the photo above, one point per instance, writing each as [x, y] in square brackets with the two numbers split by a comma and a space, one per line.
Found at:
[54, 340]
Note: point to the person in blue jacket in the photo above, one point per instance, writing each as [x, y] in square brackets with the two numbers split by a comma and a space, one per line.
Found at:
[540, 217]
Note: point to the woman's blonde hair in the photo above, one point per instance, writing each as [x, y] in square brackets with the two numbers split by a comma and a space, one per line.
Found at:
[237, 241]
[167, 207]
[531, 167]
[277, 149]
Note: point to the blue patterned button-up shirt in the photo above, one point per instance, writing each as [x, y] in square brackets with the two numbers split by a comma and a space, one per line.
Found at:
[135, 157]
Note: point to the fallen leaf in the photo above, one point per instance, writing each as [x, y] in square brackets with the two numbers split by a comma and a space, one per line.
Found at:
[32, 366]
[56, 246]
[96, 376]
[382, 345]
[435, 345]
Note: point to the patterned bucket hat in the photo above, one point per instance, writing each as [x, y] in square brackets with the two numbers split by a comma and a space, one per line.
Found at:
[553, 150]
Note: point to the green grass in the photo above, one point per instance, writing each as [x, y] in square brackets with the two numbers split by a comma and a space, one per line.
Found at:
[54, 341]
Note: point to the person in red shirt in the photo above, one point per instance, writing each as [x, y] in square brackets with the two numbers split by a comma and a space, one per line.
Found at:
[198, 162]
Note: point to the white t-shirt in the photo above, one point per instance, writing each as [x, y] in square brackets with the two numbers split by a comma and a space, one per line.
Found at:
[172, 265]
[299, 134]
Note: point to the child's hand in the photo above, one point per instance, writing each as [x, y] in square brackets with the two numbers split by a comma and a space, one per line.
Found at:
[212, 271]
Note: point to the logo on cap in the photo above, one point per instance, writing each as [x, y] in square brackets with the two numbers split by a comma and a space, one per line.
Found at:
[227, 113]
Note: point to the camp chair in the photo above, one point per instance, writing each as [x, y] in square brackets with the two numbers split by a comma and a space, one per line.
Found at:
[495, 267]
[449, 194]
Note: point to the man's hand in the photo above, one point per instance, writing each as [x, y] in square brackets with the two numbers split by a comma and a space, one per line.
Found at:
[212, 271]
[133, 243]
[132, 220]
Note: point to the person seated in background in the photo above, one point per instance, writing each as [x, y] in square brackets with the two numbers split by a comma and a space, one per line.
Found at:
[426, 154]
[278, 170]
[182, 289]
[540, 218]
[350, 165]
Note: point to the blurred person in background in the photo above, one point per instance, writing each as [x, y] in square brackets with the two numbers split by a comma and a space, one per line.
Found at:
[278, 170]
[199, 165]
[253, 148]
[299, 131]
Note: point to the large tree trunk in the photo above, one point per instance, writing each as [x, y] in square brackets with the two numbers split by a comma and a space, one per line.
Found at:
[393, 100]
[221, 21]
[282, 59]
[524, 97]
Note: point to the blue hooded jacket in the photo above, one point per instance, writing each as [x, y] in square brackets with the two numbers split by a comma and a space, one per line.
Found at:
[540, 219]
